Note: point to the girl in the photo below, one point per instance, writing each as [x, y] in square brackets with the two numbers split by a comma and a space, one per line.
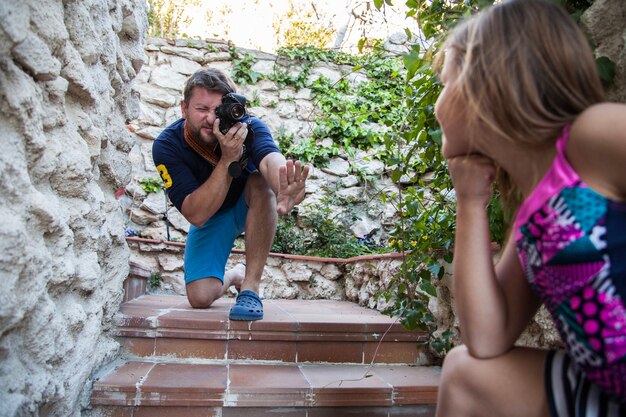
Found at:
[522, 104]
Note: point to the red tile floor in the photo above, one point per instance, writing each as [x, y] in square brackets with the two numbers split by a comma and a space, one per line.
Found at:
[305, 358]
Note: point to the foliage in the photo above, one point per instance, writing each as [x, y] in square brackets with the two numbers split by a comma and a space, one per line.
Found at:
[329, 234]
[166, 18]
[285, 78]
[322, 232]
[289, 238]
[308, 53]
[307, 149]
[427, 209]
[155, 280]
[356, 108]
[242, 72]
[151, 185]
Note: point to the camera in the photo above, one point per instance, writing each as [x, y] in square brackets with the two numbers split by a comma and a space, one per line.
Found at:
[231, 111]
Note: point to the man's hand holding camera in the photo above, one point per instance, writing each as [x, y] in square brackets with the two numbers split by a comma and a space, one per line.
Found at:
[231, 143]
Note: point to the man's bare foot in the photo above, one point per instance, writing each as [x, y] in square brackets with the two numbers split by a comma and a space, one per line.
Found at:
[236, 276]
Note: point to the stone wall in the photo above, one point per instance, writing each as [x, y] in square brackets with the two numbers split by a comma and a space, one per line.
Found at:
[285, 276]
[284, 109]
[65, 85]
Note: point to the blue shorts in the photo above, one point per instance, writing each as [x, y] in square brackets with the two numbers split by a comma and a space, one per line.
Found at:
[208, 247]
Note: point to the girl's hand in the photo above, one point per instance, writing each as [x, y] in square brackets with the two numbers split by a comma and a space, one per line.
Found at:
[472, 177]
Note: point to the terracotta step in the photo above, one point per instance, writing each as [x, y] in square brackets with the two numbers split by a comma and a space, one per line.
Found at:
[221, 388]
[292, 331]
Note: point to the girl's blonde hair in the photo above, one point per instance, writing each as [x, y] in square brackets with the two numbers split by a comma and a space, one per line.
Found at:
[525, 70]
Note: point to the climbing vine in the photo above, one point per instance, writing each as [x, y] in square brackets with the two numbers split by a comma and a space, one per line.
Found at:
[427, 208]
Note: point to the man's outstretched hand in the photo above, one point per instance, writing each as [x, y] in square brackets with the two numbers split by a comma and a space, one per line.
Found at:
[292, 179]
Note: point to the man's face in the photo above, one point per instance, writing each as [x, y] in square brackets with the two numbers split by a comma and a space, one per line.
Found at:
[199, 114]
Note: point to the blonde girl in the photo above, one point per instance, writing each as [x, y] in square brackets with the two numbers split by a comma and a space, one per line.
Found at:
[522, 102]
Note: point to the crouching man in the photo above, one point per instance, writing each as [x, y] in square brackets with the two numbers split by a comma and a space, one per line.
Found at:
[224, 173]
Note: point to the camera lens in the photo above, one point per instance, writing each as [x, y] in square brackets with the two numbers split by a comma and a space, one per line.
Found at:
[237, 111]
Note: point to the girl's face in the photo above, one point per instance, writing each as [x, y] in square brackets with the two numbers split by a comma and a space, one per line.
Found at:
[451, 113]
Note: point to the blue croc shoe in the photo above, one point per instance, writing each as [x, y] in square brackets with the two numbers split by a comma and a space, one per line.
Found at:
[248, 307]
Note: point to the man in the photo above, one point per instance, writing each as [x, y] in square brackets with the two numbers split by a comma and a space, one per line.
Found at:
[193, 156]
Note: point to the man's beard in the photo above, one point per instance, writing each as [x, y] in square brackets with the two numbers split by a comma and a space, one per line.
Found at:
[207, 138]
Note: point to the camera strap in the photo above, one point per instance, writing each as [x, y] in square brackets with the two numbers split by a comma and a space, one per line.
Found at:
[210, 155]
[201, 148]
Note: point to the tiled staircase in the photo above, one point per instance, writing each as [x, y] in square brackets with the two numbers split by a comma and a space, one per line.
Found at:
[306, 358]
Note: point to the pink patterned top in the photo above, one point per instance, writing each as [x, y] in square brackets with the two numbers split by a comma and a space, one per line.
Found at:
[571, 242]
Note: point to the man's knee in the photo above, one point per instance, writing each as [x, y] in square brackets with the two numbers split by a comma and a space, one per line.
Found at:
[202, 293]
[258, 190]
[200, 300]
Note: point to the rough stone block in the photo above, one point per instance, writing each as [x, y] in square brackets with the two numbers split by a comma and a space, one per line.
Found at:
[35, 56]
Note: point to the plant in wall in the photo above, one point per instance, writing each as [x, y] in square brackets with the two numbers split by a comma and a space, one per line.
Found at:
[242, 72]
[155, 279]
[151, 184]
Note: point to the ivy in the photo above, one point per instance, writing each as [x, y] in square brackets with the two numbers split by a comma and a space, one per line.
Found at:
[151, 185]
[242, 72]
[285, 78]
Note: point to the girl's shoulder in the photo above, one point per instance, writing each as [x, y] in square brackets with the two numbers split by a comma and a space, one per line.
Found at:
[597, 148]
[604, 118]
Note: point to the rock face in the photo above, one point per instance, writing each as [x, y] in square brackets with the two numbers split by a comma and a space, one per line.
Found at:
[605, 22]
[288, 112]
[66, 71]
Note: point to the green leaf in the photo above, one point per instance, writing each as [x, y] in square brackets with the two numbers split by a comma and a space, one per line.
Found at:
[428, 288]
[606, 69]
[378, 4]
[396, 174]
[361, 44]
[434, 269]
[411, 63]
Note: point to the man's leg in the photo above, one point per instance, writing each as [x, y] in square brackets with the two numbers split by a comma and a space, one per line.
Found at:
[202, 293]
[510, 385]
[260, 228]
[206, 253]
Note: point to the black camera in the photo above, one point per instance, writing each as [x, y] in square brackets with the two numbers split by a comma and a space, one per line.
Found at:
[231, 111]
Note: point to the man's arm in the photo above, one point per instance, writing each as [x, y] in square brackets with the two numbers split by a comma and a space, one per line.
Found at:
[205, 201]
[286, 178]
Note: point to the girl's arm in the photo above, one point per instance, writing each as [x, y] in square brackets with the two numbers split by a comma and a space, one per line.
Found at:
[597, 149]
[493, 304]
